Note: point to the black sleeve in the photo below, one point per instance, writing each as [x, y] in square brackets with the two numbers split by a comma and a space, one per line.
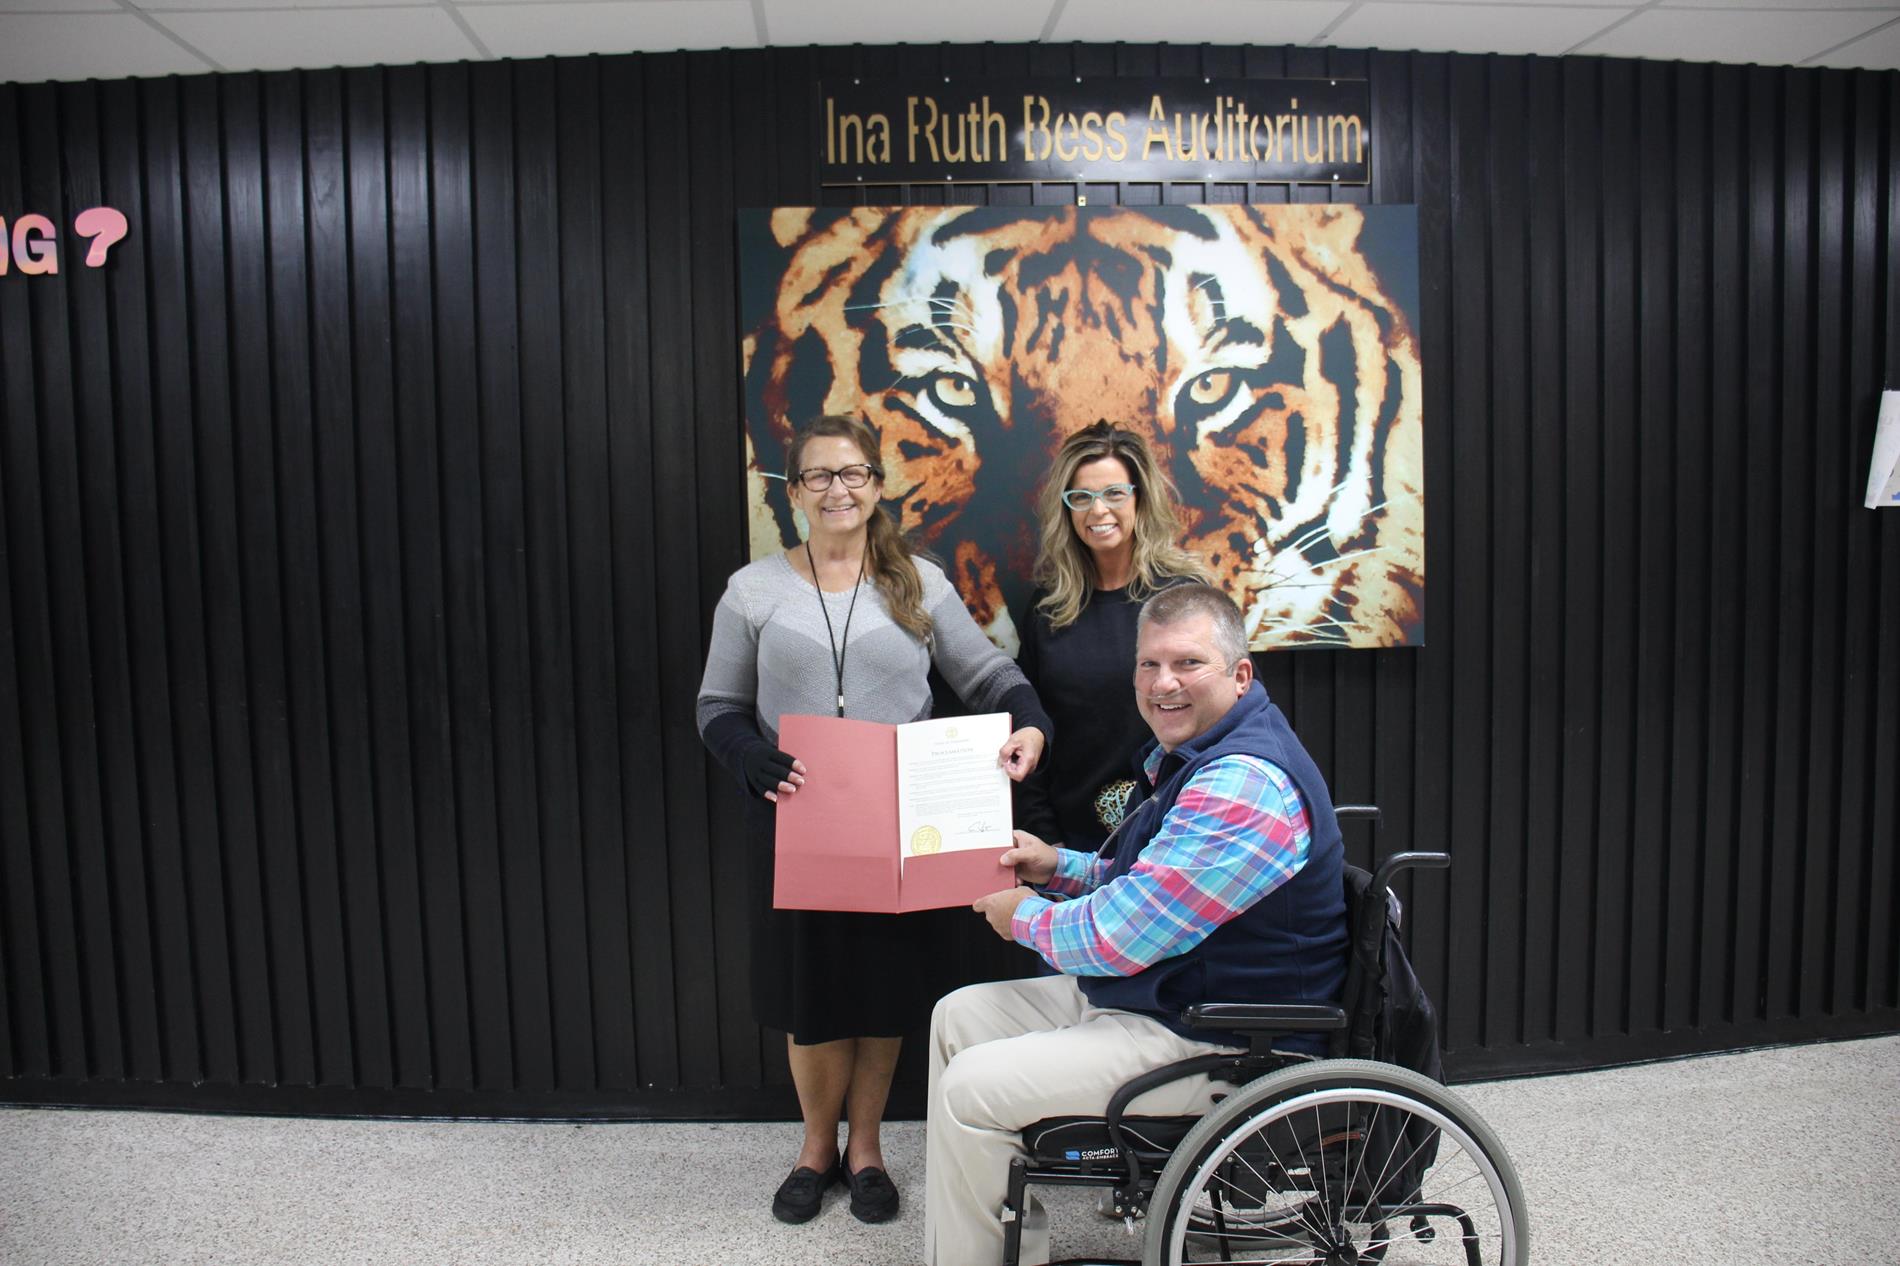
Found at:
[1029, 652]
[729, 737]
[1025, 708]
[1035, 810]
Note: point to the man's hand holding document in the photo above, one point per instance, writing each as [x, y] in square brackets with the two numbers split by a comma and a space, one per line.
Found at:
[893, 818]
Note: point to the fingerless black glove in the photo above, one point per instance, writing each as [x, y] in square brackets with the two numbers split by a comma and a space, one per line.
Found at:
[737, 744]
[765, 767]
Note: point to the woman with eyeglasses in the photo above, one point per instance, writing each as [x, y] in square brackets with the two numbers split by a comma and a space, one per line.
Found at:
[1108, 529]
[848, 622]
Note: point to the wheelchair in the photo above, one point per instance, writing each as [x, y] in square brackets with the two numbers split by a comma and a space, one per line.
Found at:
[1330, 1161]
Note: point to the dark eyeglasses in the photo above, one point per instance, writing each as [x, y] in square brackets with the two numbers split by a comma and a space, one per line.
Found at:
[1085, 498]
[817, 478]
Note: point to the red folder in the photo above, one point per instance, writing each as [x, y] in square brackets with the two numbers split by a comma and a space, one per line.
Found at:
[838, 846]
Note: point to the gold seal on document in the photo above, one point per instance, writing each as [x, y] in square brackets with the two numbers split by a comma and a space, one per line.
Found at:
[925, 840]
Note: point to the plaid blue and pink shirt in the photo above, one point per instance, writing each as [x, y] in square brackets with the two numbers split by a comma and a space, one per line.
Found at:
[1238, 830]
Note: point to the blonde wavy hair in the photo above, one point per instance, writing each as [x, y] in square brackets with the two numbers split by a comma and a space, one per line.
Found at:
[887, 555]
[1064, 565]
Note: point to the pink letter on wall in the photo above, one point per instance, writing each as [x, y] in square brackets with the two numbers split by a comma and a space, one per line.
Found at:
[34, 248]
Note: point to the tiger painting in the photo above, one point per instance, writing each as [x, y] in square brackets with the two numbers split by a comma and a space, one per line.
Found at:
[1273, 366]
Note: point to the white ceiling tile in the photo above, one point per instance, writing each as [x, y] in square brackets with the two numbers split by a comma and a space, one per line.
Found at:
[1799, 6]
[795, 22]
[87, 46]
[1617, 8]
[1879, 51]
[48, 39]
[1770, 38]
[1199, 21]
[321, 6]
[313, 38]
[61, 6]
[1202, 22]
[560, 29]
[1470, 28]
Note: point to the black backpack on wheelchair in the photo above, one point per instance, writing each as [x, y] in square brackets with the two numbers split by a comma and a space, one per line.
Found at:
[1389, 1017]
[1362, 1156]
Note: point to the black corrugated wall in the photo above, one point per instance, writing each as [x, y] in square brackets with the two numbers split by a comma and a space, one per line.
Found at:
[360, 524]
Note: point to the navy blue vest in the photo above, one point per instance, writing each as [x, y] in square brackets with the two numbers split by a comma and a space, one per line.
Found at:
[1290, 946]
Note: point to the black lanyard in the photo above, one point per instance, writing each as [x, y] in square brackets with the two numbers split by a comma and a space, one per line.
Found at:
[837, 652]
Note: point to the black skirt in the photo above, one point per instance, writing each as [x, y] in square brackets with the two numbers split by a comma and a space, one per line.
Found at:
[822, 976]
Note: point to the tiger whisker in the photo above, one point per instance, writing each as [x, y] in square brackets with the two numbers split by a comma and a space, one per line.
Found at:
[1280, 627]
[933, 339]
[1339, 487]
[1317, 568]
[1312, 577]
[942, 315]
[931, 302]
[892, 303]
[1351, 554]
[1320, 530]
[962, 300]
[1330, 629]
[1317, 632]
[1371, 509]
[1301, 542]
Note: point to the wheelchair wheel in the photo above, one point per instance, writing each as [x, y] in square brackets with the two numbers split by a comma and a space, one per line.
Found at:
[1337, 1163]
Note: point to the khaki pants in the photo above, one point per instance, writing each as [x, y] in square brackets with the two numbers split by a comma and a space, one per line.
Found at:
[1005, 1055]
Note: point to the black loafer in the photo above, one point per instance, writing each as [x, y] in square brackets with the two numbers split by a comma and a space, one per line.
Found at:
[873, 1195]
[802, 1194]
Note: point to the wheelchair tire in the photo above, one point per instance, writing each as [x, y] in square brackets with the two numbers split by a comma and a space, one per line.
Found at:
[1340, 1161]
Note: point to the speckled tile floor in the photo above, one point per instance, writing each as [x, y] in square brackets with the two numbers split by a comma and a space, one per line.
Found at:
[1784, 1156]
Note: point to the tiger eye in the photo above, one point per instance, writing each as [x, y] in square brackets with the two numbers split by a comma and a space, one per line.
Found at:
[955, 391]
[1211, 387]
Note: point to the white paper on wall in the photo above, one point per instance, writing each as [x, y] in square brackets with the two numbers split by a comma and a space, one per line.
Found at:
[1883, 479]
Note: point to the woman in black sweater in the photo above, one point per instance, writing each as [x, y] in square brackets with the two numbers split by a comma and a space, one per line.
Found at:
[1108, 530]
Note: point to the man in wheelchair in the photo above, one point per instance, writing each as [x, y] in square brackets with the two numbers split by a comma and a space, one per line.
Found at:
[1222, 883]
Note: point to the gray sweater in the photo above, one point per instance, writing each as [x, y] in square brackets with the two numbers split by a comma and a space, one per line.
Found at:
[770, 655]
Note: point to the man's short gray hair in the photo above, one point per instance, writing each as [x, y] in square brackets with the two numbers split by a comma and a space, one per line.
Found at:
[1181, 602]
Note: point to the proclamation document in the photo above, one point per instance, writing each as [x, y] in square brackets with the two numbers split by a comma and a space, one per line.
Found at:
[951, 793]
[893, 818]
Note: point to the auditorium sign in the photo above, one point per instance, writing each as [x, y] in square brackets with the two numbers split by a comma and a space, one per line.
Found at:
[1280, 130]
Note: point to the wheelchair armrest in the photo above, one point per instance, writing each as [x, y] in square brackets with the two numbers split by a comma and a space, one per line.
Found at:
[1263, 1017]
